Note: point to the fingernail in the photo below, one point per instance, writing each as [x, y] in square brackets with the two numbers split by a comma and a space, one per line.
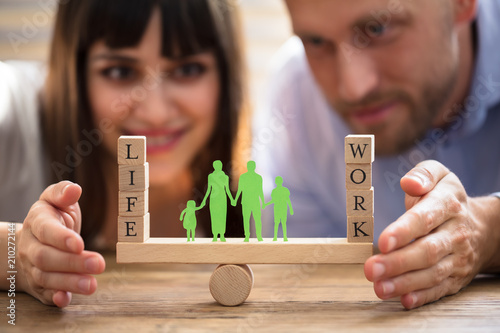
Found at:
[84, 285]
[391, 243]
[388, 287]
[64, 189]
[72, 244]
[413, 299]
[378, 270]
[92, 265]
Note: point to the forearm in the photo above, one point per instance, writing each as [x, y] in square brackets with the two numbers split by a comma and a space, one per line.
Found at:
[486, 212]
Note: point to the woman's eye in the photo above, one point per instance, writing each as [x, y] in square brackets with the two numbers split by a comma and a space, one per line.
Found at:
[189, 70]
[119, 73]
[314, 41]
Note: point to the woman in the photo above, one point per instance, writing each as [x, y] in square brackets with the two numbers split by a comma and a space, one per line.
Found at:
[166, 69]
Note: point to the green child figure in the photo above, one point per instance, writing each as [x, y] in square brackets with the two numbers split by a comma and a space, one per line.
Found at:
[280, 197]
[189, 217]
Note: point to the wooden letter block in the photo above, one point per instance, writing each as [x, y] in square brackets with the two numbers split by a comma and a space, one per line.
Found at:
[132, 150]
[359, 148]
[360, 229]
[360, 202]
[133, 228]
[133, 203]
[358, 176]
[133, 177]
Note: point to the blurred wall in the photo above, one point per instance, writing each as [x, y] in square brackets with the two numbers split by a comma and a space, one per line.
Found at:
[26, 27]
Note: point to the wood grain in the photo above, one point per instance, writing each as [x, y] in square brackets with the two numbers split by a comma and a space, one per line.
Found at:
[230, 285]
[131, 150]
[285, 298]
[359, 202]
[235, 251]
[359, 148]
[133, 203]
[358, 176]
[360, 229]
[133, 228]
[133, 177]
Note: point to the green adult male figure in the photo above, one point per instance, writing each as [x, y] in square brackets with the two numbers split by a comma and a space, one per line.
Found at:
[280, 197]
[252, 199]
[218, 188]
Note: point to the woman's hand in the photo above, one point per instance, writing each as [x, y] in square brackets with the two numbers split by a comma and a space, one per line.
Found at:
[51, 256]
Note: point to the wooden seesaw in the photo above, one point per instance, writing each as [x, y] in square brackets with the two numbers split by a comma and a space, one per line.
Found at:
[232, 280]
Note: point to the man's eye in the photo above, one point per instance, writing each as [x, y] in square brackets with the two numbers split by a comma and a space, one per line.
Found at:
[375, 29]
[189, 70]
[118, 73]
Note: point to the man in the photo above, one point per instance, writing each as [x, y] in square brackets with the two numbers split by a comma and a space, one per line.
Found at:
[424, 77]
[252, 200]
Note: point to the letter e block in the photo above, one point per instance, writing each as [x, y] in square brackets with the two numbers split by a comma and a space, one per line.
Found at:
[359, 148]
[133, 177]
[132, 150]
[359, 229]
[133, 228]
[358, 176]
[133, 203]
[359, 202]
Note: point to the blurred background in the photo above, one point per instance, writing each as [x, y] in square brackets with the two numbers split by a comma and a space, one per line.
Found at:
[26, 28]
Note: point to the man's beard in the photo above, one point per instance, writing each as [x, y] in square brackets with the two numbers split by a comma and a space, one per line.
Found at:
[393, 138]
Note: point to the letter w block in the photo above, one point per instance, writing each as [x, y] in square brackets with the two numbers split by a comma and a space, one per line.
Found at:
[359, 148]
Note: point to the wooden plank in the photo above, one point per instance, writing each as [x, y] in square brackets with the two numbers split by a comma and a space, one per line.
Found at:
[235, 251]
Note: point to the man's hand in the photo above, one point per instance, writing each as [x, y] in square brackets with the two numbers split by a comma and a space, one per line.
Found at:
[51, 253]
[435, 248]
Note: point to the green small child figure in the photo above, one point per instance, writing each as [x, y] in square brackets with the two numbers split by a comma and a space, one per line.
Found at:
[189, 217]
[280, 197]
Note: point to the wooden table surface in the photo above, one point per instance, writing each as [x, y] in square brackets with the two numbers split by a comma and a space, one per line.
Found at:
[285, 298]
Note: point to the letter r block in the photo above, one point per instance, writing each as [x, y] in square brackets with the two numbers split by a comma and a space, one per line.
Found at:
[132, 150]
[359, 202]
[358, 176]
[133, 203]
[359, 229]
[133, 229]
[133, 177]
[359, 148]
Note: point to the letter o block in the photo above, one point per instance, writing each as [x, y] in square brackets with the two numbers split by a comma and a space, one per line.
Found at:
[358, 176]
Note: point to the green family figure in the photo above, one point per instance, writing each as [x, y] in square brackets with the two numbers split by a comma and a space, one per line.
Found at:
[252, 203]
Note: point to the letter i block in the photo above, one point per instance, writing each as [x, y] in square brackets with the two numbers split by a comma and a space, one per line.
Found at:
[133, 203]
[359, 202]
[358, 176]
[131, 150]
[359, 148]
[133, 229]
[359, 229]
[133, 177]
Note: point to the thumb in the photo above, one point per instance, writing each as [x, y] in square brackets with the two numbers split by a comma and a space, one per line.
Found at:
[64, 196]
[423, 178]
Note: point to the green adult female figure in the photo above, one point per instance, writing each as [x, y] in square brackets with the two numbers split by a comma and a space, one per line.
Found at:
[218, 189]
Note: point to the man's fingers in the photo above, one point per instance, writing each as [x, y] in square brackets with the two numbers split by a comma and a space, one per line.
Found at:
[430, 212]
[47, 227]
[49, 259]
[75, 283]
[421, 254]
[423, 178]
[420, 297]
[415, 280]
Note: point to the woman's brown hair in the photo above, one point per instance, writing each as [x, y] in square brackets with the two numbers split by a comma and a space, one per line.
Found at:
[73, 139]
